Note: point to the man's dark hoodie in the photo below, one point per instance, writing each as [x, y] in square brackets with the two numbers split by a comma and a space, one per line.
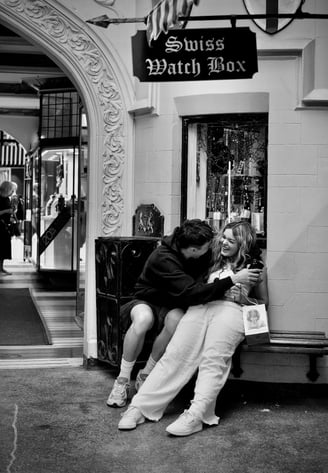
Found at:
[170, 280]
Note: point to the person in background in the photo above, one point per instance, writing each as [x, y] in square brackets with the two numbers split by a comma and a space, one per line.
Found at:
[172, 279]
[15, 225]
[205, 339]
[20, 214]
[7, 189]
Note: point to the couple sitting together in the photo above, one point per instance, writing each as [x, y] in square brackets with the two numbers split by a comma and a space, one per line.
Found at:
[191, 290]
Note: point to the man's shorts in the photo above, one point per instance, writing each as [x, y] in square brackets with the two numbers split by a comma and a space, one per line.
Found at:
[159, 314]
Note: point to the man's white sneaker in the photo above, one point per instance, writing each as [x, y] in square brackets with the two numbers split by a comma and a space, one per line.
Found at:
[119, 394]
[140, 379]
[186, 424]
[131, 418]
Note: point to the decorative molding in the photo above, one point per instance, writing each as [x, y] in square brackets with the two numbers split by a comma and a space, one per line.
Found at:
[310, 97]
[65, 36]
[149, 105]
[211, 104]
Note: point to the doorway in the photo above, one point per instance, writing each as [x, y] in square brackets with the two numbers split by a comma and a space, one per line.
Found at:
[106, 97]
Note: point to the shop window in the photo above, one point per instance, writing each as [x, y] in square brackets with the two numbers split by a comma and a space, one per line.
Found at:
[224, 173]
[58, 167]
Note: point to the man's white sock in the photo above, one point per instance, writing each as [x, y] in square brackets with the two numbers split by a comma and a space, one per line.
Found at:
[126, 369]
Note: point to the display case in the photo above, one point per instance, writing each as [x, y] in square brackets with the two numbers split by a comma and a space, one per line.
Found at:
[58, 208]
[119, 262]
[225, 170]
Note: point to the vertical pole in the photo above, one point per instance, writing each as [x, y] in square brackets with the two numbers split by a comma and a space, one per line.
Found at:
[229, 191]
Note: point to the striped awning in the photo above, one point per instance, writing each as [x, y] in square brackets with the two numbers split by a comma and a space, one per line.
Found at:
[12, 154]
[166, 15]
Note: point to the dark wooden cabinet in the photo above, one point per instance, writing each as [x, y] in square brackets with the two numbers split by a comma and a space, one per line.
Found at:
[119, 262]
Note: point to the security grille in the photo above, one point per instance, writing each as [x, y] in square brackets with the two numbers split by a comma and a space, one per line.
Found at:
[60, 115]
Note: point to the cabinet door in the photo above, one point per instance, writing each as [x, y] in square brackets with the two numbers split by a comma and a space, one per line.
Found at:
[109, 331]
[134, 254]
[119, 262]
[107, 266]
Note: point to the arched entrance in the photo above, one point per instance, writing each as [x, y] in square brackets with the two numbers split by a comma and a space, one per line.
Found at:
[72, 45]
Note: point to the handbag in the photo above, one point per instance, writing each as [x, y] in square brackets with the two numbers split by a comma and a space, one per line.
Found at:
[256, 324]
[14, 227]
[4, 228]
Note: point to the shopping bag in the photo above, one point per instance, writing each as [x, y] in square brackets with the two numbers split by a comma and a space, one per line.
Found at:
[256, 324]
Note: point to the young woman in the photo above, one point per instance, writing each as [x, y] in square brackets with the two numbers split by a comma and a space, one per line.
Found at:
[7, 188]
[205, 339]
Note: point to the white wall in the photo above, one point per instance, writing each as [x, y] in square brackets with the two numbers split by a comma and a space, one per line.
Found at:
[298, 155]
[297, 253]
[20, 128]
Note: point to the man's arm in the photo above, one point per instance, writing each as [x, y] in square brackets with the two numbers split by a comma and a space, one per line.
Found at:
[168, 276]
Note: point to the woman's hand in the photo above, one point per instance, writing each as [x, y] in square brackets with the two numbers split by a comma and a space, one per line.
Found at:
[239, 294]
[247, 276]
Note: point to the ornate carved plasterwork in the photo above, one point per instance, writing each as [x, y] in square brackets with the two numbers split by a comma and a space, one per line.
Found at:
[86, 58]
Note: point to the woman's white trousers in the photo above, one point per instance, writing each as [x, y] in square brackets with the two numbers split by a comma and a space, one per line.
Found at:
[205, 338]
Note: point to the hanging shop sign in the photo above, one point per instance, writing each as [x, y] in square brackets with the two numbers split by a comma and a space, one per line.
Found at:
[199, 54]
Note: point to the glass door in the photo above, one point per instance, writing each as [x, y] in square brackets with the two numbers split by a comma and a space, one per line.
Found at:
[59, 168]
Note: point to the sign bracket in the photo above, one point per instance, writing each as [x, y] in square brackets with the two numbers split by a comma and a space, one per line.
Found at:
[104, 21]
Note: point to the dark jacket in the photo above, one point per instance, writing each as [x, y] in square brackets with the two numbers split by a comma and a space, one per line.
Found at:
[170, 280]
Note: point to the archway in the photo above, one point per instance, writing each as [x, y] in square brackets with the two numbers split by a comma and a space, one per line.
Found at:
[74, 47]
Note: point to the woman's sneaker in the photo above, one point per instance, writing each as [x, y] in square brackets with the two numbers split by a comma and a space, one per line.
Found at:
[119, 394]
[186, 424]
[140, 379]
[131, 418]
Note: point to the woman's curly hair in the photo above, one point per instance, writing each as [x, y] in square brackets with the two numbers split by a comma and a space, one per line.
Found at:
[245, 236]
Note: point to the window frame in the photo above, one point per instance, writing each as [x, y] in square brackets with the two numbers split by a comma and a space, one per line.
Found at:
[257, 117]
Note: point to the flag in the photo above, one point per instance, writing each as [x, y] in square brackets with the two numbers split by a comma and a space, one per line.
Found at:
[166, 15]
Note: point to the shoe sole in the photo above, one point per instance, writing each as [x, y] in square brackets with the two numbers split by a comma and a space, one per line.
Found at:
[183, 434]
[131, 426]
[117, 404]
[114, 404]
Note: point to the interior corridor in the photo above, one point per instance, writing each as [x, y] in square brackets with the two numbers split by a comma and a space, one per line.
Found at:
[57, 309]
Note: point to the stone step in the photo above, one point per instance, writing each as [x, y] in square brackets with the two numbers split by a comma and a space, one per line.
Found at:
[60, 350]
[40, 363]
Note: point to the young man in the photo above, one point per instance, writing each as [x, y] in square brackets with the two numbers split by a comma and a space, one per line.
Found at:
[173, 278]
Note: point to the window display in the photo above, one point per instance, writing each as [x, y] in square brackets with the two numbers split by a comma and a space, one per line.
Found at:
[226, 169]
